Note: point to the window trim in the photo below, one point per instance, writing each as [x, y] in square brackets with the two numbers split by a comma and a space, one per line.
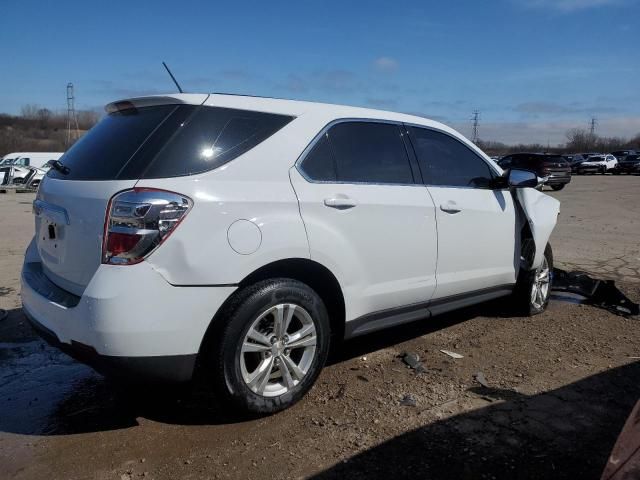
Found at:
[298, 163]
[437, 130]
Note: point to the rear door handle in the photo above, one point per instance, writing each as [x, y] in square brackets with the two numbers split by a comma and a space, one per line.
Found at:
[340, 202]
[450, 207]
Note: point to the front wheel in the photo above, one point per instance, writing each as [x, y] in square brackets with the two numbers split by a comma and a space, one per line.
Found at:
[533, 289]
[270, 347]
[558, 187]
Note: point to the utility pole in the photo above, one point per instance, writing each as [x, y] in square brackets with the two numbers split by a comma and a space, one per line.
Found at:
[476, 124]
[72, 120]
[592, 126]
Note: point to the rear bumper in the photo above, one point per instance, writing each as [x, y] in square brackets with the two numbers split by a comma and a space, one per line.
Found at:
[129, 321]
[558, 179]
[591, 168]
[172, 368]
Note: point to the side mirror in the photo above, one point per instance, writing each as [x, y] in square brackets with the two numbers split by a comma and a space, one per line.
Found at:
[517, 178]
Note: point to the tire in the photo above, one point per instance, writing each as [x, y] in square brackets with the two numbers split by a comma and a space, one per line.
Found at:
[559, 187]
[523, 298]
[234, 358]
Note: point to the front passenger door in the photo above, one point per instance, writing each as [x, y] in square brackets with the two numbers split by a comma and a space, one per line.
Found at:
[476, 223]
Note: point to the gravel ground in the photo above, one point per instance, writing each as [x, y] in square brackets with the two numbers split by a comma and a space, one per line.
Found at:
[558, 386]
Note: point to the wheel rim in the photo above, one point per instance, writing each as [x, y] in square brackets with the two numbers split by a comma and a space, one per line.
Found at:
[541, 283]
[278, 350]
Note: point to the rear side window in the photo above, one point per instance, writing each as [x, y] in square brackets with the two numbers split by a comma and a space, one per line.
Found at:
[166, 141]
[319, 164]
[446, 161]
[359, 152]
[368, 152]
[211, 137]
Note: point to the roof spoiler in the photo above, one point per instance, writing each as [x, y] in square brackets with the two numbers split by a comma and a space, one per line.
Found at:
[154, 100]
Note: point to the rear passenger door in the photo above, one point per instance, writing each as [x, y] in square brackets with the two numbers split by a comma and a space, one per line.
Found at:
[367, 217]
[476, 223]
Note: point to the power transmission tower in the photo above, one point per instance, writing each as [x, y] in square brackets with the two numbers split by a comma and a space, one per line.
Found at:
[476, 124]
[592, 126]
[72, 120]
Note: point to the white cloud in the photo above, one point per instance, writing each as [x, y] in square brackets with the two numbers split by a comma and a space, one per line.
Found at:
[385, 64]
[567, 6]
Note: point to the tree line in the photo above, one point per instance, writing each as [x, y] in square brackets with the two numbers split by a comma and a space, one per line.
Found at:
[38, 129]
[579, 140]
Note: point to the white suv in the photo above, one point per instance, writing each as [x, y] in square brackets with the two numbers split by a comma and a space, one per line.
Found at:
[235, 236]
[598, 164]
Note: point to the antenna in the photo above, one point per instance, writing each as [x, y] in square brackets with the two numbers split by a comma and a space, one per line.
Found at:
[72, 120]
[476, 124]
[172, 77]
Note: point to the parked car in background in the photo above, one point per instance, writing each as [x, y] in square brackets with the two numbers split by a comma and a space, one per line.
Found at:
[577, 159]
[554, 169]
[8, 158]
[622, 154]
[628, 164]
[239, 235]
[605, 163]
[15, 167]
[31, 159]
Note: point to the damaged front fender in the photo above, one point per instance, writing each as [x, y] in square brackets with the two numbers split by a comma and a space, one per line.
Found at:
[541, 212]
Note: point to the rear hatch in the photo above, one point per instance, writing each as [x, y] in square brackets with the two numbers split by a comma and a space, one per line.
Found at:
[556, 166]
[150, 138]
[70, 207]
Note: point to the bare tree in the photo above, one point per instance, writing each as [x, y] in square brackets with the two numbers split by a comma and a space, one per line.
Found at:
[580, 139]
[30, 111]
[43, 115]
[87, 118]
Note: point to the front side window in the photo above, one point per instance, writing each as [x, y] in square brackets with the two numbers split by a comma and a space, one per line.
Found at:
[360, 152]
[446, 161]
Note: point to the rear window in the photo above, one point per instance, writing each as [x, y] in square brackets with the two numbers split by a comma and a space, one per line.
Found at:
[166, 141]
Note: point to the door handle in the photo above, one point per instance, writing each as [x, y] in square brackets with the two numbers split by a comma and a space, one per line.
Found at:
[450, 207]
[340, 202]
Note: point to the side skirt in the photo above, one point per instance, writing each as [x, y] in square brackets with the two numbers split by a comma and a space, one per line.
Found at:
[419, 311]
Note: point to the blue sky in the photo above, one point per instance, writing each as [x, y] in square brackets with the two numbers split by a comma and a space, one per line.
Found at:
[534, 68]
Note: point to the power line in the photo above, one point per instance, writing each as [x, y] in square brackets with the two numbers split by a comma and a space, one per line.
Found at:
[72, 119]
[476, 124]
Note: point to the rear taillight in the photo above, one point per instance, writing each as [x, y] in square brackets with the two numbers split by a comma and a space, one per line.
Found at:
[138, 221]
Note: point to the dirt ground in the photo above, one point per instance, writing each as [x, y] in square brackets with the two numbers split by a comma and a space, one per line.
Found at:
[560, 386]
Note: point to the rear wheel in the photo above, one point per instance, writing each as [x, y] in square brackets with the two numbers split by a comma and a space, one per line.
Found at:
[558, 187]
[271, 347]
[533, 289]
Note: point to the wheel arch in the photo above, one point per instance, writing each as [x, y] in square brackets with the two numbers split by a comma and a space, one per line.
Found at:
[307, 271]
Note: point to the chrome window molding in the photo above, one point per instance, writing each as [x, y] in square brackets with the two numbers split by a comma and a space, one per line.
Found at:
[325, 130]
[404, 131]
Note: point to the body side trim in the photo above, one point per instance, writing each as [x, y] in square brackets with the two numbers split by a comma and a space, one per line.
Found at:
[406, 314]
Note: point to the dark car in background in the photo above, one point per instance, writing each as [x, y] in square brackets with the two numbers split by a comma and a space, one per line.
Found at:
[553, 168]
[629, 164]
[622, 154]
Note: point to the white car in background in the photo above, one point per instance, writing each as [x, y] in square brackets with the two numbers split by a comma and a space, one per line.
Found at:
[238, 236]
[17, 166]
[598, 164]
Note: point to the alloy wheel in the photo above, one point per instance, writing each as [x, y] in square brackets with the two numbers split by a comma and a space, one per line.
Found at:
[278, 349]
[541, 285]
